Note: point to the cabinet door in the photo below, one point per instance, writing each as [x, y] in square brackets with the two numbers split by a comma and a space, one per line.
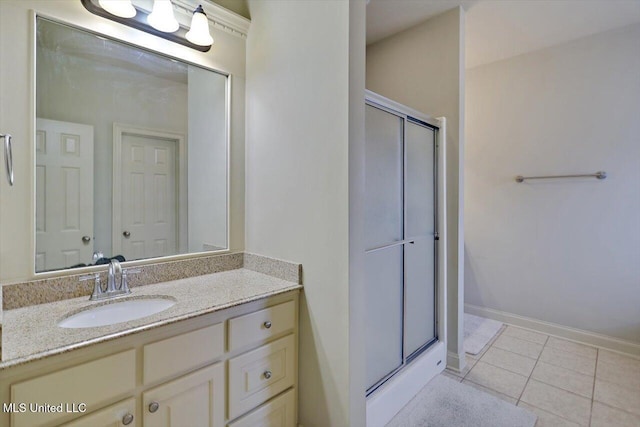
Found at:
[279, 412]
[196, 399]
[119, 415]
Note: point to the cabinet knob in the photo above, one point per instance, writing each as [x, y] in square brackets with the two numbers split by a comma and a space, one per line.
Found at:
[86, 239]
[127, 419]
[153, 406]
[126, 234]
[267, 324]
[267, 374]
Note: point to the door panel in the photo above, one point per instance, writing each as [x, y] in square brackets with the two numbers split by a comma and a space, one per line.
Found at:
[149, 209]
[419, 294]
[64, 194]
[383, 181]
[383, 312]
[420, 226]
[196, 399]
[419, 185]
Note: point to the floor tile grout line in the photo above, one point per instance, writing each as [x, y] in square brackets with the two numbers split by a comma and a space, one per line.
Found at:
[513, 352]
[635, 357]
[528, 340]
[615, 408]
[534, 368]
[485, 349]
[562, 389]
[563, 351]
[491, 345]
[495, 391]
[593, 391]
[564, 367]
[509, 370]
[569, 354]
[551, 413]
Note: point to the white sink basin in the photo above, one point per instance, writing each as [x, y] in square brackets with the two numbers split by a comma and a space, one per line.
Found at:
[117, 312]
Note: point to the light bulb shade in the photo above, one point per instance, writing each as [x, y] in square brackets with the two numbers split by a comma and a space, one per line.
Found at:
[199, 32]
[121, 8]
[161, 17]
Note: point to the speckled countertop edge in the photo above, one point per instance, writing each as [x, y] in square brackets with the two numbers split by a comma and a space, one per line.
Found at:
[31, 333]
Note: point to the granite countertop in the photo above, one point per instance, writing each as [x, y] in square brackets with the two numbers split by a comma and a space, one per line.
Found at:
[31, 333]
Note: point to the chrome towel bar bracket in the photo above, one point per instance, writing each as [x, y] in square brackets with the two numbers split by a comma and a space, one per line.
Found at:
[599, 175]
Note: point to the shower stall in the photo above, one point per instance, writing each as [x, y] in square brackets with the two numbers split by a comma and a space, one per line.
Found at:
[404, 254]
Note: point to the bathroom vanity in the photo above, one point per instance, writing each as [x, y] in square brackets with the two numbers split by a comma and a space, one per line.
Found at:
[225, 354]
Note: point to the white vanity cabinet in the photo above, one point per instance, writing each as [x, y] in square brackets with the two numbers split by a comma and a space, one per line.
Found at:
[236, 367]
[196, 399]
[266, 367]
[119, 415]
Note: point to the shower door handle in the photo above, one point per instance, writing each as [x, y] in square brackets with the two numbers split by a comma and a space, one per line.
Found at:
[8, 156]
[390, 245]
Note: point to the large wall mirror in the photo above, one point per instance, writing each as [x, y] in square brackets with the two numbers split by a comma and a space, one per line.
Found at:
[131, 152]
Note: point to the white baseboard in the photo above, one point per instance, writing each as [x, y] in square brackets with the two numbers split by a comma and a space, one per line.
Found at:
[573, 334]
[387, 401]
[455, 361]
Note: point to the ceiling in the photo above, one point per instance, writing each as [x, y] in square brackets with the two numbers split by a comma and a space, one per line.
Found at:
[499, 29]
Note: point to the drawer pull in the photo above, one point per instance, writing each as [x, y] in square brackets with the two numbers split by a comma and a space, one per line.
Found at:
[267, 374]
[127, 419]
[153, 406]
[267, 324]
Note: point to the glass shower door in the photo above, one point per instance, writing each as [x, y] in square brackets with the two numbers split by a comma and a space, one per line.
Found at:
[420, 221]
[400, 230]
[384, 256]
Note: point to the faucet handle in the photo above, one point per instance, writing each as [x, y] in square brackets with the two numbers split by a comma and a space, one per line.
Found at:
[124, 284]
[97, 286]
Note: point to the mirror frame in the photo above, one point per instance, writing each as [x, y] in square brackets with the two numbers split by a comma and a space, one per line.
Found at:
[172, 51]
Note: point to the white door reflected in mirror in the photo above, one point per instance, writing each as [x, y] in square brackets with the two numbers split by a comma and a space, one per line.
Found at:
[64, 193]
[155, 181]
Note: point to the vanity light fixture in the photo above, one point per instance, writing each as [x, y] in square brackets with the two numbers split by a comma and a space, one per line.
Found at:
[199, 32]
[160, 22]
[161, 17]
[121, 8]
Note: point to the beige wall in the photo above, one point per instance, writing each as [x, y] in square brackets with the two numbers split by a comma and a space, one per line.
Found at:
[17, 112]
[298, 130]
[561, 251]
[357, 296]
[423, 68]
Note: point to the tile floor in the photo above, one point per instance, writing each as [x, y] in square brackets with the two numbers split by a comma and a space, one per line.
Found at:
[562, 382]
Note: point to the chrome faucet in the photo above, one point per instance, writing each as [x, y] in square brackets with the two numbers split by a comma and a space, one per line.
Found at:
[114, 270]
[116, 282]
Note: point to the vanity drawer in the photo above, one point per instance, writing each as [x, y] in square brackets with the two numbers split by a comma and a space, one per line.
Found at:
[167, 358]
[279, 412]
[94, 384]
[112, 416]
[256, 328]
[260, 374]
